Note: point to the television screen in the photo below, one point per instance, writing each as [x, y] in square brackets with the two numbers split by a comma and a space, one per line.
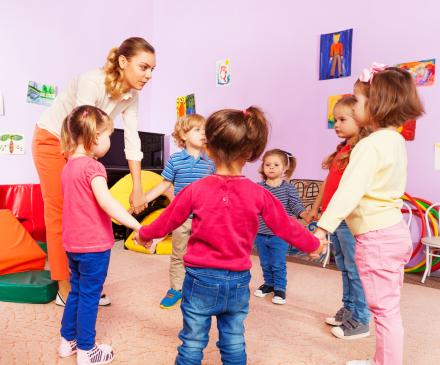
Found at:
[151, 146]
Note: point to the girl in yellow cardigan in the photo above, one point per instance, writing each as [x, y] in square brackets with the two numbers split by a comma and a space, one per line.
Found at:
[368, 198]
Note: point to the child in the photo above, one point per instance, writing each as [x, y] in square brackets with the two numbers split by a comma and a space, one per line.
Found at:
[354, 317]
[182, 169]
[368, 197]
[226, 207]
[277, 167]
[87, 230]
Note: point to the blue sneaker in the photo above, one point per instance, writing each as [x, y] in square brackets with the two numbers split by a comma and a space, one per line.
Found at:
[171, 299]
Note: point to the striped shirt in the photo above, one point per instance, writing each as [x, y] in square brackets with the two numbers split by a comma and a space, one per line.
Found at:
[182, 169]
[287, 194]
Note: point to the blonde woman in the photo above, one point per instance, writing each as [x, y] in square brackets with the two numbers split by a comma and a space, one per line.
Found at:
[113, 89]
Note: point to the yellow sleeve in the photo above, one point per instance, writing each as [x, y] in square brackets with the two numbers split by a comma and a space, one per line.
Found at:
[356, 180]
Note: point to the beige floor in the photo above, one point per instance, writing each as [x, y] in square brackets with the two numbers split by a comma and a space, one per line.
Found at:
[143, 333]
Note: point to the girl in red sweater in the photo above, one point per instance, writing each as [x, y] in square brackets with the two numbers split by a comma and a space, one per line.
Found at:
[226, 207]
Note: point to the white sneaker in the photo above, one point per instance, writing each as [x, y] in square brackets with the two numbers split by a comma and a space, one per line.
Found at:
[103, 302]
[361, 362]
[66, 348]
[100, 354]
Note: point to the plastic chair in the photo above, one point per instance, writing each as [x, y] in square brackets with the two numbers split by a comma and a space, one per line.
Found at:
[432, 244]
[327, 255]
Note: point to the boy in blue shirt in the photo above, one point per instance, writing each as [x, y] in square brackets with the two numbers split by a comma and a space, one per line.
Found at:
[183, 168]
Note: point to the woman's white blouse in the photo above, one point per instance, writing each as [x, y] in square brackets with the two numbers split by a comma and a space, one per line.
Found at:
[88, 89]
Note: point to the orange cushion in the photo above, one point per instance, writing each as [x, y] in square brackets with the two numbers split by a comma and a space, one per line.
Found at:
[19, 251]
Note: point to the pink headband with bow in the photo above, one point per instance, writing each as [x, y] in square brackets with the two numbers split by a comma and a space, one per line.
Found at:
[368, 73]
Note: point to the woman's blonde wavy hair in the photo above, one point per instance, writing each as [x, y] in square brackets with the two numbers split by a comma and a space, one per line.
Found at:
[129, 48]
[344, 158]
[81, 126]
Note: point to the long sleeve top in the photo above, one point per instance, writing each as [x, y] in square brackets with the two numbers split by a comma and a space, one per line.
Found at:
[336, 48]
[287, 194]
[369, 194]
[226, 210]
[88, 88]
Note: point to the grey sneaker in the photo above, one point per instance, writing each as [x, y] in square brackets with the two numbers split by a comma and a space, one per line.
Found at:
[351, 329]
[342, 315]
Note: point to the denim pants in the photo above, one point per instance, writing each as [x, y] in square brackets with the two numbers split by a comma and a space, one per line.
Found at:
[89, 271]
[272, 251]
[353, 295]
[214, 292]
[381, 256]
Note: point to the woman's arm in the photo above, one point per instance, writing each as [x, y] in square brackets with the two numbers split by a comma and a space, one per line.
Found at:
[137, 199]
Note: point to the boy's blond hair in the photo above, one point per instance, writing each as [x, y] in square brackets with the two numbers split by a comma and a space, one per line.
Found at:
[184, 124]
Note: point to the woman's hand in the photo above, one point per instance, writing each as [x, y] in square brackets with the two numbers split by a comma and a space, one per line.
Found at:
[138, 201]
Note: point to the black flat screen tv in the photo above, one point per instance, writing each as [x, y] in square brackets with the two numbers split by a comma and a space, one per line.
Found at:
[152, 145]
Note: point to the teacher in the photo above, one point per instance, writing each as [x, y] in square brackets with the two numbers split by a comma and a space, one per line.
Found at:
[114, 89]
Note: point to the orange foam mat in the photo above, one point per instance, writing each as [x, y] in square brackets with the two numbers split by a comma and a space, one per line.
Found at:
[19, 251]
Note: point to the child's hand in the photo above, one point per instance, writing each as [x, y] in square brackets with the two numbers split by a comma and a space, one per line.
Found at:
[313, 215]
[138, 240]
[304, 215]
[322, 249]
[131, 210]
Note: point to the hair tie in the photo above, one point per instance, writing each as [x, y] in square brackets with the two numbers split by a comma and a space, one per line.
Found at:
[368, 73]
[288, 154]
[245, 112]
[85, 113]
[99, 112]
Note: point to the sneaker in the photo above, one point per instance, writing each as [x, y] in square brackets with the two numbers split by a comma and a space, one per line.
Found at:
[263, 290]
[279, 297]
[361, 362]
[351, 329]
[98, 355]
[66, 348]
[342, 315]
[103, 302]
[171, 299]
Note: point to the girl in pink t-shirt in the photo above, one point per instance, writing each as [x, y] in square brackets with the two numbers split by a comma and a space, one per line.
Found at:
[87, 230]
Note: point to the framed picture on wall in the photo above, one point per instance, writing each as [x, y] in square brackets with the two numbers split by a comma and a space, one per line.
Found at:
[335, 55]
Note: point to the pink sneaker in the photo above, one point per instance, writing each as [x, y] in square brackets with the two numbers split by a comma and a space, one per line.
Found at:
[66, 348]
[100, 354]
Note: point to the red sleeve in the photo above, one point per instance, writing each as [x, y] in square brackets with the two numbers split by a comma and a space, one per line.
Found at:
[331, 50]
[171, 218]
[342, 49]
[285, 227]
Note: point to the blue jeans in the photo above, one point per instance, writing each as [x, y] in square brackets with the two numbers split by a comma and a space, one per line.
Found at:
[272, 251]
[214, 292]
[353, 295]
[89, 271]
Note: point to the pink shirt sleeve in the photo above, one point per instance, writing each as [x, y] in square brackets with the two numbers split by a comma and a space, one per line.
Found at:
[285, 227]
[171, 218]
[93, 169]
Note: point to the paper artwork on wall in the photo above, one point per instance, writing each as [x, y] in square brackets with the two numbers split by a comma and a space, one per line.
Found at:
[185, 105]
[408, 130]
[437, 156]
[423, 72]
[41, 94]
[335, 55]
[1, 103]
[332, 100]
[223, 73]
[12, 144]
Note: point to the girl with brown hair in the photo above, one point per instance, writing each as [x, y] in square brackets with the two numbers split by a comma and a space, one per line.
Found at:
[226, 208]
[353, 319]
[114, 89]
[369, 199]
[276, 170]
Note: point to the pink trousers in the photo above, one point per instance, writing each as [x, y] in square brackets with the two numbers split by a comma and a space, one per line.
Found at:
[380, 257]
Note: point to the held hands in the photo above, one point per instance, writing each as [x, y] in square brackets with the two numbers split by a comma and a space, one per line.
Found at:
[321, 235]
[138, 240]
[304, 215]
[313, 215]
[138, 201]
[131, 210]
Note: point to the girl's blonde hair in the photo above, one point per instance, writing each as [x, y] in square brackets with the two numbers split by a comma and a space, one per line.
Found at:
[81, 126]
[183, 125]
[129, 48]
[343, 159]
[288, 161]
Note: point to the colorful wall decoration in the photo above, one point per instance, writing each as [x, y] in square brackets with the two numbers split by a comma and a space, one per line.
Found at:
[335, 55]
[40, 94]
[423, 72]
[12, 144]
[408, 130]
[223, 73]
[185, 105]
[332, 100]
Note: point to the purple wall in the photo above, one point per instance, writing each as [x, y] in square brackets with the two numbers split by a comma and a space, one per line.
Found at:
[51, 42]
[274, 48]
